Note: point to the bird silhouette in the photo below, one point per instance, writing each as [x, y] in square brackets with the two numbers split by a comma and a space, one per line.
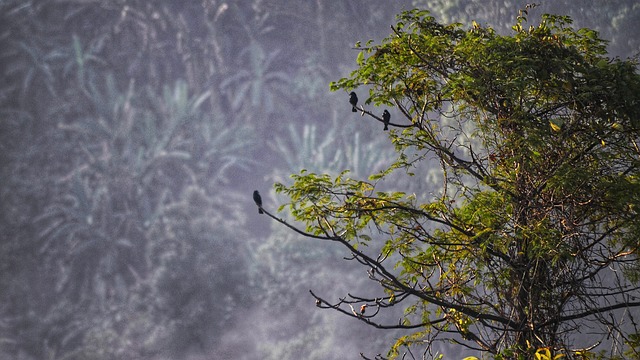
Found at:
[258, 200]
[385, 118]
[353, 100]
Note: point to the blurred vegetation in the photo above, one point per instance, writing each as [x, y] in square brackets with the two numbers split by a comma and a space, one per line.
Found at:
[113, 185]
[131, 136]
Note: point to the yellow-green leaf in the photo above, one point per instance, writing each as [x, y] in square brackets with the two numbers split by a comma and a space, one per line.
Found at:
[554, 126]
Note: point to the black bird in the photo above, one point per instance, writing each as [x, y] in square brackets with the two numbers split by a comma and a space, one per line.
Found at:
[353, 100]
[258, 200]
[386, 117]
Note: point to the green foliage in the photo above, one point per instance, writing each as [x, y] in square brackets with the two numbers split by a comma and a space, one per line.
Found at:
[611, 19]
[536, 135]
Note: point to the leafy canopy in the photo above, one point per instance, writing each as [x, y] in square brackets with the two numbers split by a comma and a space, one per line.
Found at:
[533, 231]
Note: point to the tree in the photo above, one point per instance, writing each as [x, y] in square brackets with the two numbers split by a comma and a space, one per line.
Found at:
[534, 231]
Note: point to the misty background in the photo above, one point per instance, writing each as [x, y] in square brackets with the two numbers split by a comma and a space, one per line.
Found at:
[132, 134]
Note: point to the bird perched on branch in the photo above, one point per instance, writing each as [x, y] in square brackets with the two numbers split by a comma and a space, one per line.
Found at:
[385, 118]
[258, 200]
[353, 100]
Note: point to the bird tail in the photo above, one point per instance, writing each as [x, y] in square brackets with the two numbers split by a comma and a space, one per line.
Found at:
[260, 211]
[386, 128]
[353, 109]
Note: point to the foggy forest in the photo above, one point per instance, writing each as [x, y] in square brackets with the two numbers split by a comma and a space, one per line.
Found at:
[132, 136]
